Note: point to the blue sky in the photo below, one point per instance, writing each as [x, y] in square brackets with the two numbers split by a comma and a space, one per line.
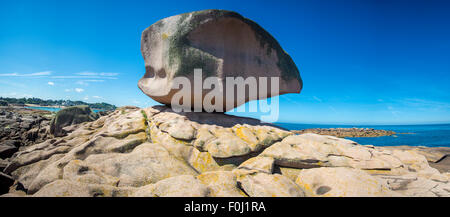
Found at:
[362, 62]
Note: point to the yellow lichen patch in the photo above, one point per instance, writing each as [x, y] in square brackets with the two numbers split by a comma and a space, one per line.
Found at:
[208, 178]
[242, 193]
[290, 173]
[227, 167]
[266, 137]
[164, 36]
[241, 173]
[261, 164]
[379, 172]
[221, 184]
[309, 192]
[247, 136]
[202, 161]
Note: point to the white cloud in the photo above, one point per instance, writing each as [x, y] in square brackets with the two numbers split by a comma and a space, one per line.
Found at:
[82, 83]
[45, 73]
[393, 111]
[82, 77]
[50, 83]
[135, 101]
[86, 82]
[107, 74]
[97, 97]
[317, 99]
[39, 73]
[416, 102]
[289, 99]
[94, 80]
[92, 76]
[79, 90]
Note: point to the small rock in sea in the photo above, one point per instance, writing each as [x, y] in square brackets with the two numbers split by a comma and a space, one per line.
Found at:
[347, 132]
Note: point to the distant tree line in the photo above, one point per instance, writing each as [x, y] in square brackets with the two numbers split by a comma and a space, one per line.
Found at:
[41, 102]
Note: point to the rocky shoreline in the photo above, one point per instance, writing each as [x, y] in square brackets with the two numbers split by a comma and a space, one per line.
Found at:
[21, 127]
[347, 132]
[157, 152]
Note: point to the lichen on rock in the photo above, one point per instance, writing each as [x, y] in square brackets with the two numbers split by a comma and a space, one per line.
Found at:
[136, 152]
[222, 44]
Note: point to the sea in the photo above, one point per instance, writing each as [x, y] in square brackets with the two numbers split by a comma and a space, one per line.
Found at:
[433, 135]
[53, 109]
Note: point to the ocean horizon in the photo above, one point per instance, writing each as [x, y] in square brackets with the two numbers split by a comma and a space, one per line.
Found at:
[429, 135]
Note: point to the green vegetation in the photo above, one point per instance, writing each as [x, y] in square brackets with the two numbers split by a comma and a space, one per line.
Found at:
[145, 115]
[186, 57]
[41, 102]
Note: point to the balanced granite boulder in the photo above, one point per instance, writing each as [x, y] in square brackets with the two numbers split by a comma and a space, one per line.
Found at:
[222, 44]
[70, 116]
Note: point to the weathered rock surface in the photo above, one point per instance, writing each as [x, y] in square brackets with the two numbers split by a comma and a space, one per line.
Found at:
[312, 150]
[7, 149]
[222, 44]
[347, 132]
[5, 182]
[221, 184]
[132, 148]
[341, 182]
[156, 152]
[21, 127]
[437, 157]
[269, 185]
[70, 116]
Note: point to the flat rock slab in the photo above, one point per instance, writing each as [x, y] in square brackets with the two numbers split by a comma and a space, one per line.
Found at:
[438, 157]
